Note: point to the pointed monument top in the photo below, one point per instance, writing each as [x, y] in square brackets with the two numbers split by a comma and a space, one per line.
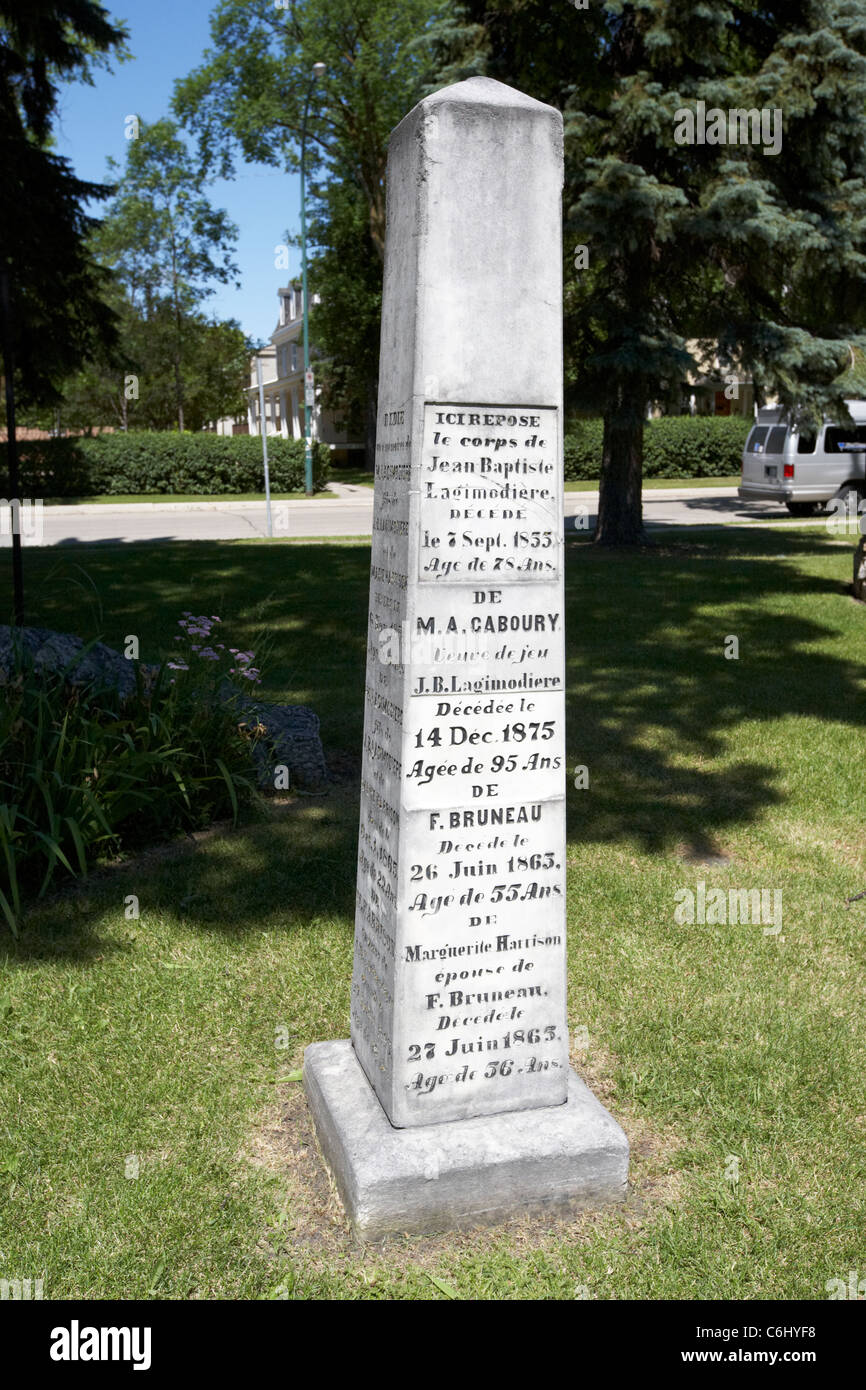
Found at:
[484, 91]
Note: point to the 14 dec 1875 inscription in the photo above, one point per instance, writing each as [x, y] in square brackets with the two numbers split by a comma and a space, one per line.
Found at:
[459, 984]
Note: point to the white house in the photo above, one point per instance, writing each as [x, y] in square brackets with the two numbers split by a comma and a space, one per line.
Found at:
[283, 377]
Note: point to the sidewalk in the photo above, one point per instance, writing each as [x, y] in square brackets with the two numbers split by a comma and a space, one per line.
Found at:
[349, 489]
[213, 504]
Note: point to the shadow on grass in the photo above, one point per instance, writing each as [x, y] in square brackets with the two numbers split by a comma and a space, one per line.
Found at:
[651, 698]
[289, 871]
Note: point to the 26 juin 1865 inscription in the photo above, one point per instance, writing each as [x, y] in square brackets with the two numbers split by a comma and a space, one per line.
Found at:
[455, 1100]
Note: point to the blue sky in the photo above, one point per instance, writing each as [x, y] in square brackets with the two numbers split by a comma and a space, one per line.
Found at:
[167, 39]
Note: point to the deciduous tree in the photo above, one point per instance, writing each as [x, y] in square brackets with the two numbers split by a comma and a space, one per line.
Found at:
[248, 98]
[164, 240]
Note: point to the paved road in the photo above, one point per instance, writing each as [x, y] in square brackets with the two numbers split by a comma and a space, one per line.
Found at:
[351, 514]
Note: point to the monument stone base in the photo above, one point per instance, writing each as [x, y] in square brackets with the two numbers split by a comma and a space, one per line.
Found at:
[443, 1177]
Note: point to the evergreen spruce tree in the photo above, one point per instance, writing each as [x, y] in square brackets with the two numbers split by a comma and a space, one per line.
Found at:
[51, 312]
[744, 234]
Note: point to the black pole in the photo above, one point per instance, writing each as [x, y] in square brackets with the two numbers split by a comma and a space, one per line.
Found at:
[12, 451]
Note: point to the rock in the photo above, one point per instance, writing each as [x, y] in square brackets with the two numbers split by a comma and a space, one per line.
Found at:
[291, 739]
[290, 736]
[85, 664]
[860, 570]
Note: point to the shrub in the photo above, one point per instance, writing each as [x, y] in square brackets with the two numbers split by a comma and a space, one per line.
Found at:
[84, 772]
[583, 449]
[676, 446]
[142, 462]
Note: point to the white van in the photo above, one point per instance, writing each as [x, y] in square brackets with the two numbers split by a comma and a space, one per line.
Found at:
[804, 468]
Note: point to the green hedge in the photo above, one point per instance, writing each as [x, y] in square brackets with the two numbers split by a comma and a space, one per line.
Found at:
[141, 462]
[676, 446]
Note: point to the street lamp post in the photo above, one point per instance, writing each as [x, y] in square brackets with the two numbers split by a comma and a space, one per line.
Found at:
[264, 423]
[319, 70]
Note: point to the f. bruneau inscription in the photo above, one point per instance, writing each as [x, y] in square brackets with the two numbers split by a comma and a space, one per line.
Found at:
[482, 978]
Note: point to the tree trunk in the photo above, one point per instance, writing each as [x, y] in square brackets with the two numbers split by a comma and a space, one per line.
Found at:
[370, 423]
[178, 378]
[14, 499]
[620, 512]
[178, 387]
[377, 222]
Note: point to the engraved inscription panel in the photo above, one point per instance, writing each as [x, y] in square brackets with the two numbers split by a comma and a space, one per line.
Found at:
[459, 986]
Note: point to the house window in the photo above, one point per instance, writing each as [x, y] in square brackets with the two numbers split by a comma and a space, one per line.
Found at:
[294, 357]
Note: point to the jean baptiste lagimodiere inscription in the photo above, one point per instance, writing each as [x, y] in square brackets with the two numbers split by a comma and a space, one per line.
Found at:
[455, 1099]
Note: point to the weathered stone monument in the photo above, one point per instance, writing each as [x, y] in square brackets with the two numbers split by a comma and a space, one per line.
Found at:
[454, 1102]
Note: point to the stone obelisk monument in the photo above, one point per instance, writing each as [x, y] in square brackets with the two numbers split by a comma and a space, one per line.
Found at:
[454, 1101]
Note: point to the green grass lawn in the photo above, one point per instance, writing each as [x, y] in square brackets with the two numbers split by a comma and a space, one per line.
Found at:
[356, 477]
[591, 484]
[152, 1140]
